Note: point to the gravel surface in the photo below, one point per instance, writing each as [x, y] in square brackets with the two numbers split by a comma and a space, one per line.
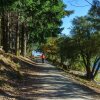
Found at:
[46, 82]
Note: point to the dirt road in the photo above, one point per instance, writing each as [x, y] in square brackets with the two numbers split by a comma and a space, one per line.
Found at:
[46, 82]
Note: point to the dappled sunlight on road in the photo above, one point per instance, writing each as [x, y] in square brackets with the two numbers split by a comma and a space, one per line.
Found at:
[48, 83]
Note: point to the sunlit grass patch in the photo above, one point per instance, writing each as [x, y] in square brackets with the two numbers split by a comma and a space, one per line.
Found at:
[98, 77]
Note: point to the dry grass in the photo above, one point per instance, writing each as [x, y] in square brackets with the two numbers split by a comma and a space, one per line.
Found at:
[82, 80]
[9, 70]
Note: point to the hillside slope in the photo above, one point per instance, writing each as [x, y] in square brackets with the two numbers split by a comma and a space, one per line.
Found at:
[9, 73]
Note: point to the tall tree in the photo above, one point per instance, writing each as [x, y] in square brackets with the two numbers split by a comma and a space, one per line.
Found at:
[41, 19]
[86, 37]
[4, 5]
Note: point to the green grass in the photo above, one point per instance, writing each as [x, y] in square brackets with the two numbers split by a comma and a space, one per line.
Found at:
[98, 77]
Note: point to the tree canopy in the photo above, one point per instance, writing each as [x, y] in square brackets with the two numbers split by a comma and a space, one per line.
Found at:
[33, 21]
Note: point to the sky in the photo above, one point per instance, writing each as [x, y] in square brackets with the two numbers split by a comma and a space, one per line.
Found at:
[80, 8]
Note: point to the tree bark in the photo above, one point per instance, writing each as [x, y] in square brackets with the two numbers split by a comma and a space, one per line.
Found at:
[95, 63]
[96, 71]
[23, 40]
[96, 67]
[88, 68]
[3, 27]
[7, 31]
[17, 51]
[86, 61]
[0, 34]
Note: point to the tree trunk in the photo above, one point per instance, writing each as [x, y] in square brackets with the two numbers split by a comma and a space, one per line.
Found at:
[10, 30]
[0, 34]
[17, 51]
[97, 67]
[88, 68]
[7, 32]
[24, 44]
[88, 72]
[96, 71]
[95, 63]
[3, 27]
[61, 59]
[23, 40]
[86, 61]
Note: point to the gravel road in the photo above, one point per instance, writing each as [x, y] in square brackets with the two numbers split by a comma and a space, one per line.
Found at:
[46, 82]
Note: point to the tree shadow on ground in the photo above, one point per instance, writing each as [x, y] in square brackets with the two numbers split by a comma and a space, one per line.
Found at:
[49, 83]
[54, 86]
[50, 86]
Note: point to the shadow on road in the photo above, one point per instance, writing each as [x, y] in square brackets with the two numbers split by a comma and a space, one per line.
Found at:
[45, 81]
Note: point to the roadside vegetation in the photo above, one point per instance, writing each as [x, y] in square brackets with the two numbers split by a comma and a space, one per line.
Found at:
[80, 50]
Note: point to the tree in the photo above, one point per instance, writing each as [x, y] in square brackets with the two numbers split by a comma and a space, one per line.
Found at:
[50, 48]
[30, 21]
[47, 19]
[85, 37]
[4, 12]
[94, 18]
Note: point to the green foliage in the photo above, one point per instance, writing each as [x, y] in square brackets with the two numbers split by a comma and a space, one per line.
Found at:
[94, 14]
[5, 4]
[83, 46]
[46, 19]
[97, 78]
[85, 36]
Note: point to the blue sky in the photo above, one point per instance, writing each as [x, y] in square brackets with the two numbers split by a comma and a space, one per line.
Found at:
[78, 11]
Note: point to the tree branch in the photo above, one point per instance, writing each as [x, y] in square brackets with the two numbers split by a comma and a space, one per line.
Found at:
[88, 2]
[78, 5]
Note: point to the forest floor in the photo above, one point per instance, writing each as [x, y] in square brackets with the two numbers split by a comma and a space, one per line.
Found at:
[45, 82]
